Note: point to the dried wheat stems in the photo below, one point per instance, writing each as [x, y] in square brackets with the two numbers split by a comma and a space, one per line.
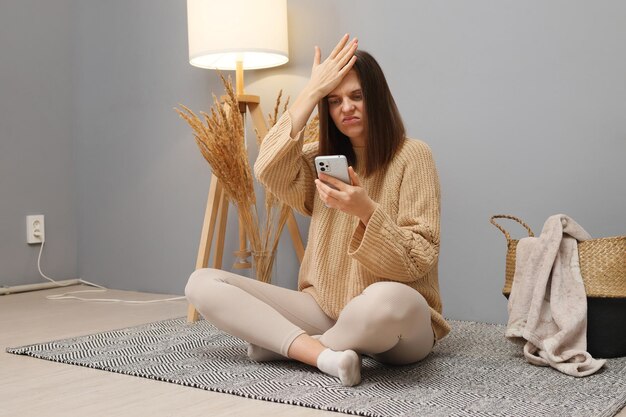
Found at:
[220, 137]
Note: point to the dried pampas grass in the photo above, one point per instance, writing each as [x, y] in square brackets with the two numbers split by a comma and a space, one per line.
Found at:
[312, 130]
[220, 138]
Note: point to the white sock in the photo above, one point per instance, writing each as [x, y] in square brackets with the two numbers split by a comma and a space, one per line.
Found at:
[345, 365]
[259, 354]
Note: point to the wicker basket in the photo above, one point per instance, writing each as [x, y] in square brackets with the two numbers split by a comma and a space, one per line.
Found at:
[602, 262]
[603, 268]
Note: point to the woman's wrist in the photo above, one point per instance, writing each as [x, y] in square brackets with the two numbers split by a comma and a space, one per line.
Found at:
[302, 108]
[367, 214]
[311, 94]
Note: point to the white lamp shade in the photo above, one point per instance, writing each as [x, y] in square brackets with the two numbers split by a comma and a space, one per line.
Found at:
[222, 32]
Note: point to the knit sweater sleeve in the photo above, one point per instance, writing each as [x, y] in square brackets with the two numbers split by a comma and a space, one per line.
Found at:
[284, 166]
[406, 248]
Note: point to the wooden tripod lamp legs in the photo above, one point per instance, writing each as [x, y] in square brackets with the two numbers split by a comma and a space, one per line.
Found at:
[217, 205]
[217, 213]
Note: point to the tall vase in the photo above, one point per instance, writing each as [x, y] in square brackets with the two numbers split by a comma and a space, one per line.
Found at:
[262, 265]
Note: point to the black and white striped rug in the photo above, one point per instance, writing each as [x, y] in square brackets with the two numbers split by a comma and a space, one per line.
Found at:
[472, 372]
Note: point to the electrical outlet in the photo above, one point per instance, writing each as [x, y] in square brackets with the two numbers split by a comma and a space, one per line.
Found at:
[35, 229]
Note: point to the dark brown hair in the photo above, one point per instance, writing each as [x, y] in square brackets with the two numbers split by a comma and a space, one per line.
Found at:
[385, 129]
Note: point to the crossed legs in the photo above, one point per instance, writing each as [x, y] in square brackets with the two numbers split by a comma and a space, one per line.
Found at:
[388, 321]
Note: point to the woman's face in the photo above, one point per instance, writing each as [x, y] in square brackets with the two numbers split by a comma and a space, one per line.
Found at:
[347, 109]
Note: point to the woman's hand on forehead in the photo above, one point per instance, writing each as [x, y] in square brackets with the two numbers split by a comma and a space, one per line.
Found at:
[327, 75]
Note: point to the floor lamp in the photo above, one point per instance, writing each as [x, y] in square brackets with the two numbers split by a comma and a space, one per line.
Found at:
[236, 35]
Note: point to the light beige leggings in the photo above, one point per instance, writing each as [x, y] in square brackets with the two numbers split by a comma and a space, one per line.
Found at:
[389, 321]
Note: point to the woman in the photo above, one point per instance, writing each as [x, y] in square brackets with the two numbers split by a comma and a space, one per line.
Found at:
[368, 281]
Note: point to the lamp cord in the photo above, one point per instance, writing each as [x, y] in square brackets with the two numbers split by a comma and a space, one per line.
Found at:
[67, 295]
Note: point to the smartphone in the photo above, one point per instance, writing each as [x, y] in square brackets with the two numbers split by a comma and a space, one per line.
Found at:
[334, 165]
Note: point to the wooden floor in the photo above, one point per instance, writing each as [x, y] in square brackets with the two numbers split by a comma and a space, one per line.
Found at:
[34, 387]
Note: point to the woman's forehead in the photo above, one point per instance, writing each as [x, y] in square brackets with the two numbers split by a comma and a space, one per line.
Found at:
[349, 83]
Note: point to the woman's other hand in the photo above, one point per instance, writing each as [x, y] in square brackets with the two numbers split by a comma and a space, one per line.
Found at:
[351, 199]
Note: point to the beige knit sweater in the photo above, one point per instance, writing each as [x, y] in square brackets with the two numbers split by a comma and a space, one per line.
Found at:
[343, 256]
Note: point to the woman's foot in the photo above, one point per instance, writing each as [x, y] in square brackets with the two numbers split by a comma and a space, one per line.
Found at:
[345, 365]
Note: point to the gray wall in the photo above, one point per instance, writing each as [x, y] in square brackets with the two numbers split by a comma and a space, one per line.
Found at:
[36, 165]
[521, 102]
[141, 182]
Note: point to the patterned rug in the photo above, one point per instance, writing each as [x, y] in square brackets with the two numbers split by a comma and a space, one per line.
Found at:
[472, 372]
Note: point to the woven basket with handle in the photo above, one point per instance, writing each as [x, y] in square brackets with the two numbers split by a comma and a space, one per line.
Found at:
[602, 262]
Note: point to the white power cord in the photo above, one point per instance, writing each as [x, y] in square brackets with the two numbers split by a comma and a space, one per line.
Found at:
[67, 296]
